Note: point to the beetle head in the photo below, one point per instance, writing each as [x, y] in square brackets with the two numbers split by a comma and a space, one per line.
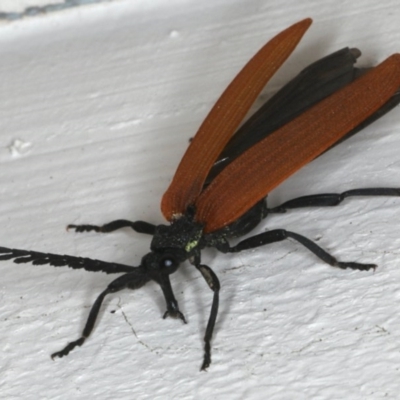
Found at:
[158, 264]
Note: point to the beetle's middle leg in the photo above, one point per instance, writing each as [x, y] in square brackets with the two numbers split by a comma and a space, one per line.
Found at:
[277, 235]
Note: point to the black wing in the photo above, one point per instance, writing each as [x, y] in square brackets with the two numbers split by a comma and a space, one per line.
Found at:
[311, 85]
[56, 260]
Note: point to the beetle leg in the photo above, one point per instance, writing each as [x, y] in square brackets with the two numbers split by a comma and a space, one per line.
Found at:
[332, 199]
[137, 226]
[172, 304]
[213, 283]
[278, 235]
[118, 284]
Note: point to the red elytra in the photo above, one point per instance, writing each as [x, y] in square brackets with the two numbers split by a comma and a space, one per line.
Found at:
[264, 166]
[225, 117]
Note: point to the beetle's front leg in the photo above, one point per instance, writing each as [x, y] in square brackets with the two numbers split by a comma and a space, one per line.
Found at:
[133, 280]
[172, 304]
[213, 283]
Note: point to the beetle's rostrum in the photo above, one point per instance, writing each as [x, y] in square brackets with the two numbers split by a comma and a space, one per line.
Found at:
[219, 189]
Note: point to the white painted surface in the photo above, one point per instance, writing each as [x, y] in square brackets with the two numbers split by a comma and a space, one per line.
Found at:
[20, 5]
[12, 10]
[108, 98]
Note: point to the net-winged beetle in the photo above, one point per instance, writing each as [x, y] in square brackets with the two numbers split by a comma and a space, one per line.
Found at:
[218, 191]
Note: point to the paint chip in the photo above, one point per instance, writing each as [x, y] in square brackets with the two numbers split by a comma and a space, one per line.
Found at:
[19, 147]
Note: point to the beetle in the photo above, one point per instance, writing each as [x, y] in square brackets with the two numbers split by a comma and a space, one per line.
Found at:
[220, 187]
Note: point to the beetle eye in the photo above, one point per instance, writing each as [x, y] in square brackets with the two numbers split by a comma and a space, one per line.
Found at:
[168, 262]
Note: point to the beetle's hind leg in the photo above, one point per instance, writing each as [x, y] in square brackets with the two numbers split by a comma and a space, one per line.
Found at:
[332, 199]
[317, 200]
[278, 235]
[137, 226]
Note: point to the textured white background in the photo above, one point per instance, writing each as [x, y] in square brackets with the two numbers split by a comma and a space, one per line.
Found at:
[108, 97]
[20, 5]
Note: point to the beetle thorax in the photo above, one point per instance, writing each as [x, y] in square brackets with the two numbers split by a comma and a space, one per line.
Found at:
[183, 234]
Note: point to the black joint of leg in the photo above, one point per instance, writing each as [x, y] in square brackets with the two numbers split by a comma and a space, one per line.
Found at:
[326, 257]
[333, 199]
[207, 357]
[143, 227]
[175, 314]
[265, 209]
[210, 277]
[84, 228]
[277, 210]
[261, 239]
[356, 266]
[68, 348]
[372, 192]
